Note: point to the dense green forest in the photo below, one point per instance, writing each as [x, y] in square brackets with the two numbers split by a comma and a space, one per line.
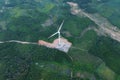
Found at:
[91, 57]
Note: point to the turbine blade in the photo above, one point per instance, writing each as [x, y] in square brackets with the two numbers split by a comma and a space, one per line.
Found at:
[61, 25]
[53, 35]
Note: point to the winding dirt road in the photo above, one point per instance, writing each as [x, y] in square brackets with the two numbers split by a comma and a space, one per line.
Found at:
[104, 26]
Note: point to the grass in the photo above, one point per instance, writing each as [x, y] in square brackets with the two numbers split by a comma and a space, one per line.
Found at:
[17, 12]
[106, 72]
[86, 41]
[76, 25]
[84, 61]
[48, 7]
[107, 50]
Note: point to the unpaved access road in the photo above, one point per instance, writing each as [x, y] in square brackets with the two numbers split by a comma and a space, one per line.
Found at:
[104, 26]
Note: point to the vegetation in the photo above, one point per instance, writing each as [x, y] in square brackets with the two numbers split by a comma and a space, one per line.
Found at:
[107, 49]
[22, 19]
[107, 73]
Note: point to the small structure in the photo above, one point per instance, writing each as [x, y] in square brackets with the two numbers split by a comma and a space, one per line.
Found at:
[63, 46]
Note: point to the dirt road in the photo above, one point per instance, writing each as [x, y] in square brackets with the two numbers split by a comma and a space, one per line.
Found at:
[104, 25]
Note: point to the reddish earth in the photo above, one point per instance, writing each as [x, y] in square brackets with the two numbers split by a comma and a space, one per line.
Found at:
[63, 46]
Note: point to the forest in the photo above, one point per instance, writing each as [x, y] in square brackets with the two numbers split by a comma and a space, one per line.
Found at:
[91, 57]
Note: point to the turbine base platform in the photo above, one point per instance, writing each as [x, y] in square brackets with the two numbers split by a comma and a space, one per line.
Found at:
[64, 45]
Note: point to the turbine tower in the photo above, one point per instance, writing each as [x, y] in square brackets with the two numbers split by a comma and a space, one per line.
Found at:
[58, 32]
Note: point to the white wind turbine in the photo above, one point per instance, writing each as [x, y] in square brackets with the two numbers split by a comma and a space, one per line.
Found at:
[58, 32]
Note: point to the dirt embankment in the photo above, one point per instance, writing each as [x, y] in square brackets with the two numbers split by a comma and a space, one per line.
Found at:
[105, 27]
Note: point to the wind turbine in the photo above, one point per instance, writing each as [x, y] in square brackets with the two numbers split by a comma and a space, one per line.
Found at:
[58, 32]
